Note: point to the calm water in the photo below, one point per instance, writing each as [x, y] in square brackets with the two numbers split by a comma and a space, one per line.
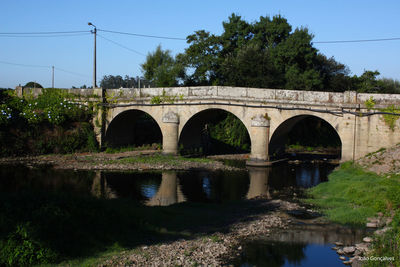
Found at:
[166, 188]
[294, 247]
[307, 245]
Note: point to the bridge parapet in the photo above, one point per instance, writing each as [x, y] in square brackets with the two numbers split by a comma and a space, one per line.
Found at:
[345, 99]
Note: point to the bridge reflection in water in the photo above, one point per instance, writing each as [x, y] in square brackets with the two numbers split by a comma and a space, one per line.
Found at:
[170, 187]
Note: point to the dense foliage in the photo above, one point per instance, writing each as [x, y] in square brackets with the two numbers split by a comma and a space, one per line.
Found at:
[33, 85]
[230, 131]
[50, 123]
[267, 53]
[114, 82]
[161, 69]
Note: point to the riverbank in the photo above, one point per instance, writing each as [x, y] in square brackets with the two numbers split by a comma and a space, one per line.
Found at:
[130, 160]
[76, 230]
[217, 248]
[357, 195]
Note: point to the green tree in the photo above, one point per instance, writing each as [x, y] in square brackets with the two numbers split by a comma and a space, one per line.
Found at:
[335, 75]
[265, 53]
[390, 86]
[33, 85]
[200, 59]
[113, 82]
[368, 82]
[162, 69]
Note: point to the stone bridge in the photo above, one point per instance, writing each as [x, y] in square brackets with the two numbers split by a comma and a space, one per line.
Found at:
[268, 115]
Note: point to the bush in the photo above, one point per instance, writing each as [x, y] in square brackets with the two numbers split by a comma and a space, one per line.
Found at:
[22, 249]
[51, 123]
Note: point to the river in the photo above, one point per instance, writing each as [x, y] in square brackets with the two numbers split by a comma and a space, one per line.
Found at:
[301, 245]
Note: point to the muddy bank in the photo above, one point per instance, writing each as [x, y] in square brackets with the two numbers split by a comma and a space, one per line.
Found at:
[131, 160]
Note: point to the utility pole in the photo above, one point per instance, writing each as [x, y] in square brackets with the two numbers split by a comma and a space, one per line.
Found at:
[52, 77]
[94, 55]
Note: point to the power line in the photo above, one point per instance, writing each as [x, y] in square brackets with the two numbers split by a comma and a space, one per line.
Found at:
[42, 66]
[144, 35]
[71, 72]
[24, 65]
[77, 33]
[127, 48]
[358, 41]
[28, 33]
[43, 36]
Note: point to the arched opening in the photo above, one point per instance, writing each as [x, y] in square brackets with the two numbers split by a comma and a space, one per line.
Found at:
[305, 135]
[133, 128]
[214, 132]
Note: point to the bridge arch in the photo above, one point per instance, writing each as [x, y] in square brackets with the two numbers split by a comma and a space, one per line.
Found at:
[194, 127]
[282, 129]
[132, 127]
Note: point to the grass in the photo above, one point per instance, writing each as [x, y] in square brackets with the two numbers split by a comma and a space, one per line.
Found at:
[352, 195]
[160, 159]
[112, 150]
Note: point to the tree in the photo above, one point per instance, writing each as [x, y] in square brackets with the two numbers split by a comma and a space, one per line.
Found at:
[368, 82]
[162, 69]
[335, 75]
[200, 59]
[33, 85]
[113, 82]
[265, 53]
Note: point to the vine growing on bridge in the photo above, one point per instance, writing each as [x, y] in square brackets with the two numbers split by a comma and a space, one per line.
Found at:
[389, 119]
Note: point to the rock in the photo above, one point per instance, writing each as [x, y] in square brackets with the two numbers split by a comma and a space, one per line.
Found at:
[358, 253]
[340, 251]
[342, 258]
[349, 250]
[372, 225]
[362, 247]
[372, 219]
[338, 244]
[381, 231]
[367, 239]
[347, 262]
[334, 248]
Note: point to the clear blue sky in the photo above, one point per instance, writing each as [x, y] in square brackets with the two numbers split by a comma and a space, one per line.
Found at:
[327, 20]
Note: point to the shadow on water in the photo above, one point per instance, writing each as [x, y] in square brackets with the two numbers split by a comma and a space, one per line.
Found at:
[80, 213]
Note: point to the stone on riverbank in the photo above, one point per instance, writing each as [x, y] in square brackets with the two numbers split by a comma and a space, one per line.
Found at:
[349, 250]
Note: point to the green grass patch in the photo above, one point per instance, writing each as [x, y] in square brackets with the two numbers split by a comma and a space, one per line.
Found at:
[160, 159]
[352, 194]
[113, 150]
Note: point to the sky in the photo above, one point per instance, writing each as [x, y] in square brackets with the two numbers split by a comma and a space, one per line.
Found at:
[24, 59]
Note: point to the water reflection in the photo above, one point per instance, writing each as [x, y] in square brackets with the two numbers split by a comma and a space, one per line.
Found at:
[165, 188]
[168, 193]
[308, 245]
[258, 183]
[19, 178]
